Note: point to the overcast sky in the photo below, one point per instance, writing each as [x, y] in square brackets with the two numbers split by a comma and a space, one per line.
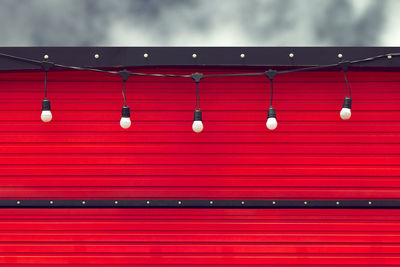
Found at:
[200, 23]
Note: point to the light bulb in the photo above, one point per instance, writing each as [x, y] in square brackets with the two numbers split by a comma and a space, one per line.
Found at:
[345, 113]
[271, 121]
[46, 115]
[197, 125]
[125, 121]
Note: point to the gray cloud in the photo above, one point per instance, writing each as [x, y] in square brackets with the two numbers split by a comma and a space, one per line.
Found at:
[342, 27]
[197, 22]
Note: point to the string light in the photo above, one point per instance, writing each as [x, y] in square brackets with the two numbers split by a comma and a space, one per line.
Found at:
[125, 121]
[197, 125]
[345, 113]
[271, 121]
[46, 115]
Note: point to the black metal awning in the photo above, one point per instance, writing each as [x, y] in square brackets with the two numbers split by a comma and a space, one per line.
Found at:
[120, 57]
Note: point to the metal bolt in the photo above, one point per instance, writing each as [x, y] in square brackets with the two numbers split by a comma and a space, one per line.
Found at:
[339, 55]
[96, 56]
[194, 56]
[273, 202]
[46, 56]
[389, 56]
[291, 55]
[242, 202]
[337, 202]
[305, 202]
[179, 202]
[51, 202]
[18, 202]
[242, 55]
[83, 202]
[369, 203]
[211, 202]
[146, 55]
[147, 202]
[115, 202]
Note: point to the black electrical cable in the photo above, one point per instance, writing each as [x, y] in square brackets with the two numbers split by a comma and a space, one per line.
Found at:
[272, 90]
[347, 85]
[84, 69]
[161, 75]
[115, 72]
[197, 96]
[21, 59]
[234, 75]
[124, 92]
[45, 85]
[309, 68]
[374, 58]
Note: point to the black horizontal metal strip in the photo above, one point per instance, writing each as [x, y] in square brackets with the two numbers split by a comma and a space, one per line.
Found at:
[201, 203]
[80, 58]
[121, 57]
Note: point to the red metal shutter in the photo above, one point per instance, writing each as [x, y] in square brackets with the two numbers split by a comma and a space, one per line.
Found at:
[83, 153]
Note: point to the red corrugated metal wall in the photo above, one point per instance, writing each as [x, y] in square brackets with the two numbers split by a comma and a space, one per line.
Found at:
[83, 153]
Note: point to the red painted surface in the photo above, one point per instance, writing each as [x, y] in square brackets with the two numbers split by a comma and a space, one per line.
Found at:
[181, 237]
[83, 153]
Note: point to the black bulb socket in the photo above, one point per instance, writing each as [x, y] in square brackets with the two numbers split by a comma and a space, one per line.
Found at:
[126, 112]
[46, 105]
[198, 116]
[347, 102]
[271, 113]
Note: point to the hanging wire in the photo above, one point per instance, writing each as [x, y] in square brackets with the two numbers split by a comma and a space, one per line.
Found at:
[84, 69]
[197, 96]
[124, 92]
[234, 75]
[374, 58]
[45, 85]
[116, 72]
[272, 91]
[21, 59]
[197, 78]
[347, 85]
[309, 68]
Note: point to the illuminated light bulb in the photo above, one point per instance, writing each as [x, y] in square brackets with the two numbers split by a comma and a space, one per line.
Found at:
[46, 115]
[345, 113]
[271, 121]
[272, 124]
[125, 121]
[197, 125]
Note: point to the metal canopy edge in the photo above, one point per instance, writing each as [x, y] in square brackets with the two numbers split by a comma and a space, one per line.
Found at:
[200, 203]
[120, 57]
